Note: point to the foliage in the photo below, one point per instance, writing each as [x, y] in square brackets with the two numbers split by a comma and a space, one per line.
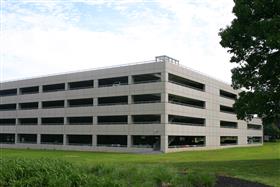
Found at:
[253, 39]
[47, 172]
[40, 172]
[271, 130]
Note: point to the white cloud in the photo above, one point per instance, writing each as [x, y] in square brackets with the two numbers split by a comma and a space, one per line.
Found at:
[186, 30]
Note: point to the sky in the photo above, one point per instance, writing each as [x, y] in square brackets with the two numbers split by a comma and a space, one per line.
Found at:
[42, 37]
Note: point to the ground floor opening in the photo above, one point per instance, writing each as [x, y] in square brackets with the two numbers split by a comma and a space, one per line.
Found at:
[145, 141]
[112, 140]
[186, 141]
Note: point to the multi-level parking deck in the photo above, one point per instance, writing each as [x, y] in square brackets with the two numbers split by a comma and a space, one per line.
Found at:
[157, 105]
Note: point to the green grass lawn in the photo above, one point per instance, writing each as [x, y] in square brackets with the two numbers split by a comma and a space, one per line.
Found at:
[261, 164]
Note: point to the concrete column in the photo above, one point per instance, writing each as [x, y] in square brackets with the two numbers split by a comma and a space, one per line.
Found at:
[95, 83]
[64, 139]
[65, 120]
[129, 119]
[38, 138]
[164, 76]
[164, 118]
[39, 120]
[95, 101]
[66, 86]
[40, 104]
[65, 103]
[94, 120]
[16, 138]
[128, 141]
[164, 97]
[129, 99]
[130, 79]
[40, 89]
[94, 140]
[163, 143]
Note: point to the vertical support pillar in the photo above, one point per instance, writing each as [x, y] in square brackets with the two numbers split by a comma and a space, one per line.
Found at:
[38, 138]
[163, 143]
[65, 139]
[130, 80]
[94, 140]
[95, 83]
[164, 76]
[94, 120]
[40, 89]
[39, 121]
[39, 104]
[95, 101]
[129, 99]
[129, 120]
[66, 86]
[128, 141]
[16, 138]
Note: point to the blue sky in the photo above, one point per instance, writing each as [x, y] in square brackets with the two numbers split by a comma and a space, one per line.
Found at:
[51, 36]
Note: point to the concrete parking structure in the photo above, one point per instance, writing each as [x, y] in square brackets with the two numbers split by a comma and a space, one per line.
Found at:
[157, 105]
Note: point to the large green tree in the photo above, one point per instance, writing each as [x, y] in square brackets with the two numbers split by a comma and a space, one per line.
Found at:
[253, 40]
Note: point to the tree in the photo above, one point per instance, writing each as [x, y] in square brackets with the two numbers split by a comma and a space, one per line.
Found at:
[253, 40]
[271, 130]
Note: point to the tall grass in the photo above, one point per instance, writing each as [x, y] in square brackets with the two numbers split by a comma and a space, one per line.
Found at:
[40, 172]
[50, 172]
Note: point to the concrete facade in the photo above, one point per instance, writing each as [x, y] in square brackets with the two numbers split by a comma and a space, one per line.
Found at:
[183, 118]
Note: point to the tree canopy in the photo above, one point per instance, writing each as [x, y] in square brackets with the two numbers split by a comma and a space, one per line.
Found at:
[253, 40]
